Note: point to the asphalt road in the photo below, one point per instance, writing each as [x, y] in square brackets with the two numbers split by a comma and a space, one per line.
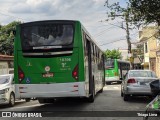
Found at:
[109, 103]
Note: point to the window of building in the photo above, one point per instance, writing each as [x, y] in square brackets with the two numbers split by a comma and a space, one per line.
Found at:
[146, 48]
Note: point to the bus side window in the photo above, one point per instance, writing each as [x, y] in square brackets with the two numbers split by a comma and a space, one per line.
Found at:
[95, 49]
[84, 44]
[92, 52]
[13, 82]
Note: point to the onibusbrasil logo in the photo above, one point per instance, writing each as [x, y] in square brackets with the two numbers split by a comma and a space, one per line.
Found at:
[21, 114]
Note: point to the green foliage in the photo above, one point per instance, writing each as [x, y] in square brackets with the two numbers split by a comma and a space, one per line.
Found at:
[137, 12]
[113, 54]
[7, 38]
[147, 11]
[115, 10]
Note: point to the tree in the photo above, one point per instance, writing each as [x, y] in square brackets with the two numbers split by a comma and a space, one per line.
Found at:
[113, 54]
[7, 38]
[145, 11]
[115, 10]
[139, 12]
[139, 52]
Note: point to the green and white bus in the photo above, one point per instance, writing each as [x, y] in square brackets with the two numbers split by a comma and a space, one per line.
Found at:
[57, 58]
[115, 70]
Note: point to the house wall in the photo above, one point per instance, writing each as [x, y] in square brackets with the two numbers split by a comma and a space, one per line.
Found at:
[150, 47]
[6, 64]
[3, 68]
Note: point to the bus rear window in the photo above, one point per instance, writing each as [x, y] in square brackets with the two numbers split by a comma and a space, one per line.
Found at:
[109, 64]
[49, 34]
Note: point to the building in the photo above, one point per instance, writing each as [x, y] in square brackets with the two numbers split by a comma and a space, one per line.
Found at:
[124, 53]
[6, 64]
[148, 36]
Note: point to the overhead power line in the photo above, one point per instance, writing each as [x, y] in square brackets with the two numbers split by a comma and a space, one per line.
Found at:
[102, 32]
[112, 42]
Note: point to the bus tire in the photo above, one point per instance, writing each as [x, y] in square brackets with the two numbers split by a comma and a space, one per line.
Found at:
[41, 101]
[27, 99]
[108, 83]
[101, 90]
[92, 96]
[50, 100]
[119, 82]
[12, 100]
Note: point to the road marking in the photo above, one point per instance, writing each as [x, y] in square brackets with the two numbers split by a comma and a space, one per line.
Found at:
[36, 105]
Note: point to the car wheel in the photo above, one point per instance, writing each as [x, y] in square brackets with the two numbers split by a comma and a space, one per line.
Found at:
[125, 97]
[12, 100]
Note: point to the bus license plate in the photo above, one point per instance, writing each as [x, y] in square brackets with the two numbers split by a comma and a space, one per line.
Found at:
[47, 75]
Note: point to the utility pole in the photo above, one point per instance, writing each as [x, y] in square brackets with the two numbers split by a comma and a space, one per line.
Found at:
[128, 41]
[128, 35]
[126, 16]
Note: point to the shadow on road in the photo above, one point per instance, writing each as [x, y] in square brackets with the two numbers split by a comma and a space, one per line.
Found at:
[16, 103]
[66, 104]
[140, 99]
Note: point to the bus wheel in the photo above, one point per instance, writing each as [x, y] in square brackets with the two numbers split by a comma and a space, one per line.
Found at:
[92, 96]
[50, 100]
[41, 101]
[101, 90]
[108, 83]
[12, 100]
[27, 99]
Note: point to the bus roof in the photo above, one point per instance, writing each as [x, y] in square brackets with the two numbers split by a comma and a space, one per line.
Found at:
[123, 61]
[50, 21]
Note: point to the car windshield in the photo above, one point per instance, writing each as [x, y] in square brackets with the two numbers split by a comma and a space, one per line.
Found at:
[4, 79]
[140, 74]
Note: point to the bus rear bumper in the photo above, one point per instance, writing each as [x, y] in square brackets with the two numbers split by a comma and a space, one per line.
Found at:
[76, 89]
[112, 79]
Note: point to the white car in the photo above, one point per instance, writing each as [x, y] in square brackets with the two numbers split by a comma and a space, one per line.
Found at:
[7, 89]
[137, 83]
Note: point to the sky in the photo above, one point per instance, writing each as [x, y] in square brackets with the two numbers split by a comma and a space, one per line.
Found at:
[91, 13]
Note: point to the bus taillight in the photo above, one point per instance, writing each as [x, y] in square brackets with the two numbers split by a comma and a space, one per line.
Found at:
[20, 74]
[75, 72]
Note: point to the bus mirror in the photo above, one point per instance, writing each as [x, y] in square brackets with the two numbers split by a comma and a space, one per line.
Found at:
[14, 32]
